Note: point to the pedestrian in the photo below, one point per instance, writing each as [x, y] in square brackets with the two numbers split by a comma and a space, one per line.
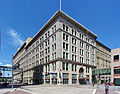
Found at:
[106, 88]
[93, 84]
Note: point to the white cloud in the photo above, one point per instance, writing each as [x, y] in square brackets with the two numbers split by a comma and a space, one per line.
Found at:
[8, 65]
[17, 40]
[0, 63]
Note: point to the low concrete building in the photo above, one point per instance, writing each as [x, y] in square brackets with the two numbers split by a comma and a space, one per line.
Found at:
[115, 66]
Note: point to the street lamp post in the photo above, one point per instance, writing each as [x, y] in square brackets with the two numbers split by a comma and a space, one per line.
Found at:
[97, 75]
[12, 71]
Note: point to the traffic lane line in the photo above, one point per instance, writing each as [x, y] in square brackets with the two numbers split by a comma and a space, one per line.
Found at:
[94, 91]
[117, 92]
[18, 92]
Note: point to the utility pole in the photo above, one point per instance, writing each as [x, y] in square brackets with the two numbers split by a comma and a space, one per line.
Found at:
[12, 71]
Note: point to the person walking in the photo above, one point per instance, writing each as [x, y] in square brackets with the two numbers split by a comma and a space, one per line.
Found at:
[93, 84]
[107, 88]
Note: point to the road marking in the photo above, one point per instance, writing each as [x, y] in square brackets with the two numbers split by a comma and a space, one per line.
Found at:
[117, 92]
[25, 90]
[14, 89]
[94, 91]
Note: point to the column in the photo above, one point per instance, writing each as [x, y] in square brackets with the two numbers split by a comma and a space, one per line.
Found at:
[70, 74]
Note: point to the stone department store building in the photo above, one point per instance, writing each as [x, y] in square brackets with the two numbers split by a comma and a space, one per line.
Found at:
[62, 52]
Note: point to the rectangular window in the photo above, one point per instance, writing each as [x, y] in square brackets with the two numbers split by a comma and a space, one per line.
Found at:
[48, 41]
[87, 47]
[63, 26]
[117, 81]
[54, 37]
[66, 66]
[48, 33]
[72, 67]
[63, 55]
[81, 44]
[75, 49]
[63, 65]
[63, 45]
[52, 47]
[72, 48]
[66, 28]
[75, 67]
[63, 36]
[55, 55]
[48, 49]
[116, 58]
[42, 38]
[54, 28]
[42, 60]
[66, 46]
[86, 69]
[81, 60]
[75, 33]
[55, 46]
[53, 66]
[66, 37]
[75, 57]
[67, 56]
[117, 71]
[40, 54]
[48, 58]
[48, 67]
[72, 31]
[72, 57]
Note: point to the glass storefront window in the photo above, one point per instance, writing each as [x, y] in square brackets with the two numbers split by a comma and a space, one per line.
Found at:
[65, 81]
[117, 81]
[117, 71]
[74, 81]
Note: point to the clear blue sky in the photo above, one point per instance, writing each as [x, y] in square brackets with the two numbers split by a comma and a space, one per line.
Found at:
[20, 19]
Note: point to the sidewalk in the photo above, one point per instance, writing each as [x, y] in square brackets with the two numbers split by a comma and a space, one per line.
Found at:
[98, 91]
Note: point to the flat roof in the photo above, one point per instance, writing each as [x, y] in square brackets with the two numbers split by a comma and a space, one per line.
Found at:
[99, 43]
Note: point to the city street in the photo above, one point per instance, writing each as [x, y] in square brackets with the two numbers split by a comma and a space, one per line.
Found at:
[47, 89]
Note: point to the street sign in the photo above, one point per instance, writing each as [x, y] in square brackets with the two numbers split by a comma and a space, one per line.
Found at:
[0, 74]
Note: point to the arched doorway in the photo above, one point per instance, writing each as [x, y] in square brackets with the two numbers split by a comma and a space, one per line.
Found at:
[81, 77]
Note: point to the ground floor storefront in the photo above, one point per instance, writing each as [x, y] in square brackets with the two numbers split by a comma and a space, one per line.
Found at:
[57, 73]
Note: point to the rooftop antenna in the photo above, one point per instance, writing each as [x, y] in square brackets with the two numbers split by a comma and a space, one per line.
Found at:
[60, 5]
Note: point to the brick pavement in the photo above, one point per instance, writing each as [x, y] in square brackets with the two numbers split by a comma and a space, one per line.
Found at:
[98, 91]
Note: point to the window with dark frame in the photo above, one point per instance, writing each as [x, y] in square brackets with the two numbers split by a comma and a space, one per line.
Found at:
[116, 58]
